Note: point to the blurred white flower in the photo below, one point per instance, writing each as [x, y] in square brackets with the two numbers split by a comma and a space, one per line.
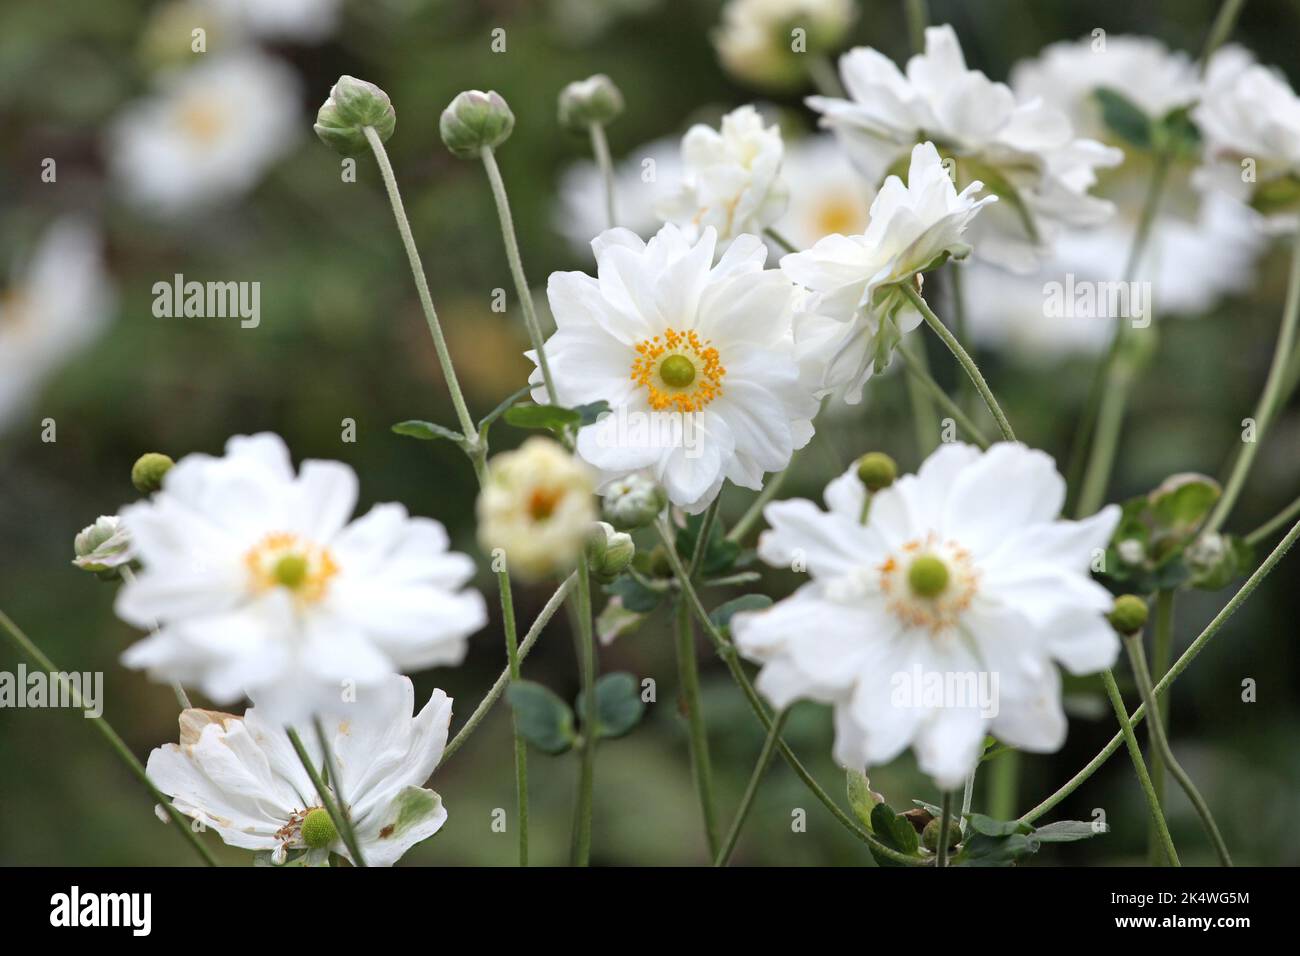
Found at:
[939, 620]
[262, 586]
[731, 179]
[1026, 151]
[242, 778]
[1249, 119]
[57, 301]
[642, 180]
[696, 361]
[103, 545]
[827, 195]
[857, 313]
[209, 134]
[537, 505]
[304, 21]
[756, 41]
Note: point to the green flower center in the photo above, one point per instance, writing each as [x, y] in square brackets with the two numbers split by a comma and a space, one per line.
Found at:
[927, 576]
[677, 371]
[291, 571]
[318, 829]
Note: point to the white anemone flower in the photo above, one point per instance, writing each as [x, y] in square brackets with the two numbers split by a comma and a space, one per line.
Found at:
[1026, 151]
[208, 135]
[58, 300]
[261, 585]
[303, 21]
[696, 361]
[941, 617]
[827, 195]
[857, 312]
[731, 178]
[241, 776]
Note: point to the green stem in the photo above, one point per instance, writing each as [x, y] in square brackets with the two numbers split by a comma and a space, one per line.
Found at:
[1178, 667]
[703, 535]
[727, 651]
[340, 799]
[581, 846]
[747, 801]
[918, 17]
[780, 240]
[422, 285]
[923, 376]
[822, 73]
[1279, 520]
[1159, 827]
[1223, 24]
[326, 798]
[600, 149]
[521, 747]
[688, 678]
[1160, 741]
[497, 689]
[967, 798]
[967, 363]
[37, 657]
[925, 420]
[1004, 785]
[755, 510]
[522, 289]
[1160, 652]
[1269, 400]
[945, 821]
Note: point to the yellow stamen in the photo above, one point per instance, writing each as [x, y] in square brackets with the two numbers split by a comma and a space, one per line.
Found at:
[661, 366]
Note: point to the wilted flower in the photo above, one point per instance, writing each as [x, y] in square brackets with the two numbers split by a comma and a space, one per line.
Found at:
[103, 546]
[940, 618]
[537, 505]
[242, 778]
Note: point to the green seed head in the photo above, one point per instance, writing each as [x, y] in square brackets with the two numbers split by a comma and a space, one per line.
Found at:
[877, 470]
[291, 570]
[927, 576]
[1129, 614]
[148, 470]
[318, 829]
[677, 371]
[930, 835]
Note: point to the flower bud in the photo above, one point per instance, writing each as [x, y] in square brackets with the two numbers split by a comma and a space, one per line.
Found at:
[877, 470]
[148, 470]
[609, 552]
[633, 502]
[352, 106]
[1129, 614]
[593, 100]
[475, 121]
[318, 830]
[930, 835]
[103, 546]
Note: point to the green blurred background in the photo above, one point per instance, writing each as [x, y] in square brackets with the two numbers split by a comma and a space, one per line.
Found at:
[342, 337]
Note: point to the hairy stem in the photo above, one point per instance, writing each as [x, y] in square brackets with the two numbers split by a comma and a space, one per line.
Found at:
[600, 149]
[1158, 825]
[688, 678]
[340, 822]
[751, 789]
[580, 854]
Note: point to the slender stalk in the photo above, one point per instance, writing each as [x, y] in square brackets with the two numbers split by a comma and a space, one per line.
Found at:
[581, 846]
[600, 149]
[1221, 28]
[422, 285]
[945, 821]
[918, 17]
[37, 657]
[925, 421]
[959, 353]
[497, 689]
[688, 679]
[822, 73]
[1160, 650]
[727, 651]
[1164, 842]
[1279, 520]
[1004, 785]
[780, 240]
[521, 746]
[336, 782]
[1180, 665]
[1269, 400]
[702, 537]
[747, 801]
[755, 509]
[522, 289]
[326, 798]
[967, 798]
[1160, 741]
[919, 373]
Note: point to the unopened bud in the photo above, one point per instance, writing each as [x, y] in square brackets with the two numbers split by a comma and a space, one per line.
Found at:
[103, 546]
[609, 552]
[593, 100]
[930, 835]
[633, 502]
[1129, 614]
[475, 121]
[352, 106]
[877, 470]
[148, 471]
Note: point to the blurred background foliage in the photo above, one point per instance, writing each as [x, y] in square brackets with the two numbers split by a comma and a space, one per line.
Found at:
[342, 337]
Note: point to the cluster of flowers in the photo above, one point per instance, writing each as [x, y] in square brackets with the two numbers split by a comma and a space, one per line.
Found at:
[256, 582]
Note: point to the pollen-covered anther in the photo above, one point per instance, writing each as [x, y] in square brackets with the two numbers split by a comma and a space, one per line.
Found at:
[681, 371]
[929, 584]
[285, 560]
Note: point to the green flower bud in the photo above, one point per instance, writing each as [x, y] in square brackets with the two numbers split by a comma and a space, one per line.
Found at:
[1129, 614]
[877, 470]
[352, 106]
[633, 502]
[930, 835]
[102, 546]
[475, 121]
[593, 100]
[148, 470]
[609, 552]
[318, 830]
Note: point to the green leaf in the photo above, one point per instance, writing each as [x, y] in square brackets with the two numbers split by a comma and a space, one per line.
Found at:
[983, 850]
[997, 828]
[719, 554]
[587, 414]
[619, 706]
[1125, 118]
[862, 799]
[1067, 831]
[486, 421]
[545, 720]
[1276, 194]
[1176, 134]
[721, 615]
[893, 831]
[427, 431]
[634, 595]
[552, 417]
[1182, 502]
[617, 621]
